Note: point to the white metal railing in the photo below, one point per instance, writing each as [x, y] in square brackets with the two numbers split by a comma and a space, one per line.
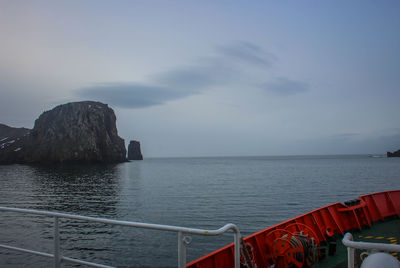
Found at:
[182, 239]
[352, 245]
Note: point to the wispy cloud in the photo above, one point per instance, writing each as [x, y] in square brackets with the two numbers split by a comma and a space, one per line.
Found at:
[248, 53]
[132, 95]
[205, 74]
[284, 86]
[226, 67]
[345, 135]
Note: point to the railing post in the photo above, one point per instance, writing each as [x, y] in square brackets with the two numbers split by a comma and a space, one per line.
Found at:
[57, 257]
[181, 251]
[350, 251]
[237, 248]
[350, 257]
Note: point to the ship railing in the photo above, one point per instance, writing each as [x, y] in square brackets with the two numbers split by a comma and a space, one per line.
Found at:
[353, 245]
[183, 240]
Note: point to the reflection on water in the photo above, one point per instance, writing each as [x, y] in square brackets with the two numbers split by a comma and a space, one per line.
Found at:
[90, 190]
[253, 193]
[86, 190]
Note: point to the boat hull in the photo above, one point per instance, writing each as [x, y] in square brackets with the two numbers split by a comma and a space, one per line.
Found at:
[322, 224]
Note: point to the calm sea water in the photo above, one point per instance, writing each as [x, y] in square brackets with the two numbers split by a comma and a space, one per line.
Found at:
[252, 192]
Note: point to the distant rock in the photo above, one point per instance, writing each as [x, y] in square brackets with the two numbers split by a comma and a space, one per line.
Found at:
[11, 143]
[134, 152]
[394, 154]
[6, 131]
[77, 132]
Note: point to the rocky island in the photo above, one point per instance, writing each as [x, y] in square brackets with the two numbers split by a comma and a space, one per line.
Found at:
[77, 132]
[394, 154]
[134, 152]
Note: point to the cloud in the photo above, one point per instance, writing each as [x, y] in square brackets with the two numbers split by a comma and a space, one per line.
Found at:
[284, 86]
[345, 136]
[132, 95]
[163, 87]
[226, 68]
[248, 53]
[198, 77]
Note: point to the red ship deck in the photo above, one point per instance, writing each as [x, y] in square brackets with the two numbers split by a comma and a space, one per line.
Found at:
[323, 225]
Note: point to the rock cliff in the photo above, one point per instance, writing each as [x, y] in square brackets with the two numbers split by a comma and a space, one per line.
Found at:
[394, 154]
[134, 152]
[78, 132]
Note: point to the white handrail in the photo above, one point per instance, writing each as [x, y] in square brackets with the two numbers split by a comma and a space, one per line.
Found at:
[351, 245]
[182, 240]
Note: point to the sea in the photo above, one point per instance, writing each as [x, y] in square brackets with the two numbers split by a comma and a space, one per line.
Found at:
[208, 192]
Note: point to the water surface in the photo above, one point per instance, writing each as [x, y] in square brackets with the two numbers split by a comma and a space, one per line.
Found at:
[252, 192]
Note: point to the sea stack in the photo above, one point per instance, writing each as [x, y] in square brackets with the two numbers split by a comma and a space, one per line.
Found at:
[134, 152]
[394, 154]
[76, 132]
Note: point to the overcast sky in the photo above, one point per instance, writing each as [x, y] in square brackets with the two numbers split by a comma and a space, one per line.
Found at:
[212, 78]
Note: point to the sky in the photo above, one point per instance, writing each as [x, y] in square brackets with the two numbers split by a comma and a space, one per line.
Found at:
[212, 78]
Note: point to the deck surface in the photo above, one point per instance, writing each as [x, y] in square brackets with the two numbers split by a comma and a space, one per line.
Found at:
[387, 232]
